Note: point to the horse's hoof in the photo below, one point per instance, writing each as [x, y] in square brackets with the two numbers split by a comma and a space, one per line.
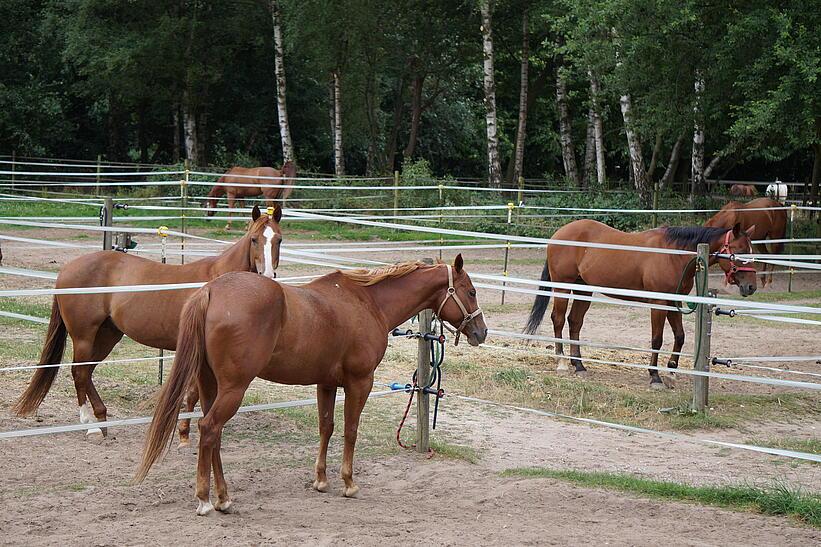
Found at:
[95, 435]
[204, 508]
[320, 486]
[227, 227]
[227, 508]
[581, 373]
[563, 365]
[351, 491]
[658, 386]
[184, 443]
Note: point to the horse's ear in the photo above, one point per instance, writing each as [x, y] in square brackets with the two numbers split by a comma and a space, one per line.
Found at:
[277, 212]
[736, 229]
[458, 263]
[255, 214]
[750, 231]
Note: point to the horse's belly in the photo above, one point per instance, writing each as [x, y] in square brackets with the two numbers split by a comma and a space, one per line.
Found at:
[149, 319]
[293, 371]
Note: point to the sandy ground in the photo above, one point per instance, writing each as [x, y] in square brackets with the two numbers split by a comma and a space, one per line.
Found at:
[61, 489]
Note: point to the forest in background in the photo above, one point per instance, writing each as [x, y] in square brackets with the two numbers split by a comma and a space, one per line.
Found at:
[652, 92]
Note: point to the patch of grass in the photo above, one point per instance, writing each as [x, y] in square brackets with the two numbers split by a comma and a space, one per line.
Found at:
[781, 296]
[455, 451]
[778, 499]
[514, 377]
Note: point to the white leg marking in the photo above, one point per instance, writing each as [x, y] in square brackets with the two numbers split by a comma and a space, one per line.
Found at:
[87, 417]
[269, 265]
[204, 507]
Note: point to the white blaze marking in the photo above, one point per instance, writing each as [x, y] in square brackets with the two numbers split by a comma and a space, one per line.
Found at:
[269, 266]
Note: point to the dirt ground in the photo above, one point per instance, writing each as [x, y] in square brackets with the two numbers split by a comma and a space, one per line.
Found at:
[60, 489]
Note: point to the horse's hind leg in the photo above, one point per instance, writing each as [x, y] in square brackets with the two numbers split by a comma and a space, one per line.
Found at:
[558, 318]
[576, 320]
[325, 402]
[657, 318]
[88, 348]
[107, 337]
[192, 395]
[674, 318]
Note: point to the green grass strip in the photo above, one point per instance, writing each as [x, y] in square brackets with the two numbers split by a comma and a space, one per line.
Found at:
[778, 499]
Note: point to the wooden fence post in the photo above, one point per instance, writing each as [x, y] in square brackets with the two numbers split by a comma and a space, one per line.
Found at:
[521, 194]
[184, 201]
[701, 384]
[510, 206]
[108, 211]
[99, 168]
[655, 204]
[163, 233]
[395, 194]
[13, 160]
[422, 379]
[793, 208]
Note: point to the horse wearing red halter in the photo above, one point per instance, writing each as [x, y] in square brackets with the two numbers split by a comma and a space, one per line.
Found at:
[331, 332]
[645, 271]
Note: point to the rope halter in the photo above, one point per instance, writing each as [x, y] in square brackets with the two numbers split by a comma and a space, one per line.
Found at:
[466, 317]
[729, 275]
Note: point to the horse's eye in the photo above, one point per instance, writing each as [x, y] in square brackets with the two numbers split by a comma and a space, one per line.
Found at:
[472, 292]
[254, 240]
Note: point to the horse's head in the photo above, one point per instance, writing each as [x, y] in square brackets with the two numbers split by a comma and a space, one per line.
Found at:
[289, 169]
[211, 199]
[459, 306]
[266, 237]
[738, 241]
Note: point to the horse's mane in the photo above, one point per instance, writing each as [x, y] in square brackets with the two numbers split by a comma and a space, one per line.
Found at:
[688, 237]
[373, 276]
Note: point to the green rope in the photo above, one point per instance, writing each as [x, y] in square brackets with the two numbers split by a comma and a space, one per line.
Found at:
[701, 282]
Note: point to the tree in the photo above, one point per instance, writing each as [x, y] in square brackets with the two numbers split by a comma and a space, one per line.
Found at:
[493, 167]
[521, 128]
[279, 68]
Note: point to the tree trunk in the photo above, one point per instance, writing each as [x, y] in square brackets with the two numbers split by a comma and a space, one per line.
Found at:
[175, 154]
[416, 113]
[672, 165]
[815, 182]
[634, 146]
[142, 134]
[697, 183]
[189, 122]
[571, 170]
[589, 150]
[332, 113]
[598, 130]
[493, 167]
[279, 69]
[392, 140]
[533, 92]
[654, 159]
[521, 129]
[339, 156]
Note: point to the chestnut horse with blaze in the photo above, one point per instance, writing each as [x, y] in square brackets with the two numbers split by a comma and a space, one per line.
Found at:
[97, 322]
[227, 186]
[769, 222]
[331, 332]
[644, 271]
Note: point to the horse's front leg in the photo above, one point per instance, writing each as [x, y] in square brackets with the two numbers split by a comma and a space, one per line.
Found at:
[674, 318]
[356, 394]
[325, 402]
[657, 318]
[231, 202]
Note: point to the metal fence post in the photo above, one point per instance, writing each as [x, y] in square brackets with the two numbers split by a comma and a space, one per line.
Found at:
[13, 160]
[510, 206]
[701, 384]
[521, 194]
[99, 168]
[106, 222]
[793, 208]
[422, 379]
[441, 204]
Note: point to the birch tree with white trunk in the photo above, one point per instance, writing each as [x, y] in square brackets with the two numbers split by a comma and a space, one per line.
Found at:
[598, 130]
[339, 155]
[571, 169]
[279, 68]
[493, 165]
[521, 129]
[697, 182]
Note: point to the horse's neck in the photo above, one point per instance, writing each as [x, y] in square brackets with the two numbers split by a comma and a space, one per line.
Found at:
[217, 191]
[235, 258]
[400, 298]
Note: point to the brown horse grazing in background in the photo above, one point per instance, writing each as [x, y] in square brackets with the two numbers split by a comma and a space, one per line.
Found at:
[250, 176]
[96, 322]
[331, 332]
[743, 190]
[769, 224]
[633, 270]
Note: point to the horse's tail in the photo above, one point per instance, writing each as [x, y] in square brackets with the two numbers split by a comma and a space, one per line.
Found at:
[52, 354]
[188, 361]
[539, 306]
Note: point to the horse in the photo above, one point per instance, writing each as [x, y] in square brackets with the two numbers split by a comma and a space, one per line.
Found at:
[770, 223]
[741, 190]
[252, 175]
[331, 332]
[97, 322]
[646, 271]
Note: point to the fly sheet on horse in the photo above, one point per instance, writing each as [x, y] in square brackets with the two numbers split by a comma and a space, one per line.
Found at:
[97, 322]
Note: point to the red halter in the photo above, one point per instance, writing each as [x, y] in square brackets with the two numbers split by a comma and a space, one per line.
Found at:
[729, 276]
